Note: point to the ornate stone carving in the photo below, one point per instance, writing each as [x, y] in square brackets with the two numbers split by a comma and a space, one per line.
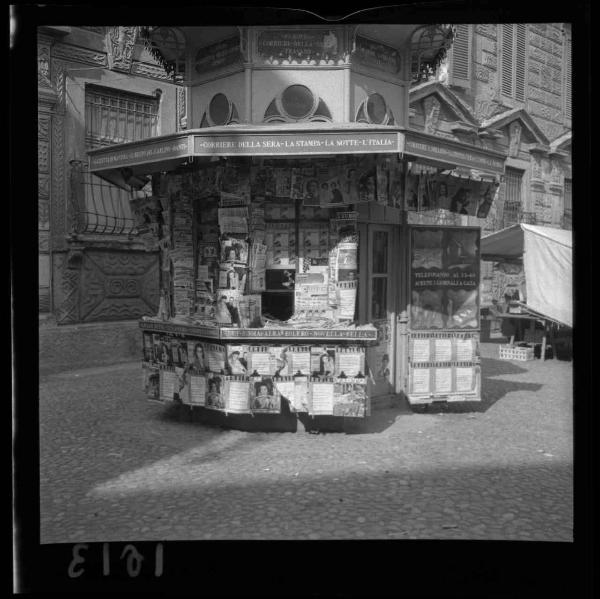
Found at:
[153, 71]
[120, 42]
[78, 54]
[68, 307]
[43, 155]
[43, 127]
[431, 107]
[482, 74]
[43, 213]
[119, 285]
[181, 109]
[43, 185]
[44, 66]
[514, 132]
[58, 212]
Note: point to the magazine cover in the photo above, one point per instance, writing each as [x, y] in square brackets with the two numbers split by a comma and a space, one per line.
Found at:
[215, 399]
[264, 396]
[349, 397]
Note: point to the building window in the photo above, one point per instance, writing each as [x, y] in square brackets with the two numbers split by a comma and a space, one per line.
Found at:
[513, 179]
[513, 63]
[221, 111]
[297, 103]
[461, 57]
[374, 111]
[113, 116]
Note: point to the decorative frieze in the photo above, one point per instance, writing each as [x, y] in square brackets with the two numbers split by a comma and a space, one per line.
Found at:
[153, 71]
[43, 214]
[43, 61]
[482, 74]
[181, 121]
[43, 155]
[79, 54]
[487, 30]
[490, 60]
[431, 108]
[120, 42]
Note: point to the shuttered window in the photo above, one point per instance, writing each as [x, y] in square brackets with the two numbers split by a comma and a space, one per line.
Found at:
[460, 59]
[114, 116]
[513, 179]
[567, 75]
[520, 62]
[513, 62]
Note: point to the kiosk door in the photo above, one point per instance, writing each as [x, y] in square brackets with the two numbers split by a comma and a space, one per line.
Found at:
[381, 309]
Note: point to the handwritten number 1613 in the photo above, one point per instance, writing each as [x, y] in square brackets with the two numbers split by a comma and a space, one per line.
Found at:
[133, 560]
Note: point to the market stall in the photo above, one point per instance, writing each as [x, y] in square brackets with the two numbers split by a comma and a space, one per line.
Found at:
[534, 282]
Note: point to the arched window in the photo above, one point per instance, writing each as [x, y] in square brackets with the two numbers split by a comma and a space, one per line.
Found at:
[296, 103]
[221, 111]
[375, 111]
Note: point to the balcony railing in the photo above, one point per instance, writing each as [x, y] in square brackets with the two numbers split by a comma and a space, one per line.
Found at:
[99, 207]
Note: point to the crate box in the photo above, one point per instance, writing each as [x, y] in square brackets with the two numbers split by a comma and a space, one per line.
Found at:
[515, 352]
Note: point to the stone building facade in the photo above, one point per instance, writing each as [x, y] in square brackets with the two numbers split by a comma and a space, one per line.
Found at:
[96, 86]
[508, 87]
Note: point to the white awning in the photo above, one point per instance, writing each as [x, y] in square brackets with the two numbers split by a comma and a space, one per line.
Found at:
[547, 262]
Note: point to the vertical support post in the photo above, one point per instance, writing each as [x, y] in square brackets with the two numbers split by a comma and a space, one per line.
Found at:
[402, 352]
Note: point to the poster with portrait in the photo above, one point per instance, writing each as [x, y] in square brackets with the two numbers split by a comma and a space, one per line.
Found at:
[238, 358]
[163, 350]
[444, 278]
[151, 381]
[262, 180]
[179, 352]
[350, 397]
[264, 397]
[215, 389]
[227, 309]
[198, 361]
[378, 360]
[234, 251]
[232, 277]
[322, 360]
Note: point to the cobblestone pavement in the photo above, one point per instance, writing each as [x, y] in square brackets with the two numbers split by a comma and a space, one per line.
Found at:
[116, 467]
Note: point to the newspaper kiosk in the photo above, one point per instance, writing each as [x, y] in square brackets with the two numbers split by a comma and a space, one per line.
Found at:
[294, 282]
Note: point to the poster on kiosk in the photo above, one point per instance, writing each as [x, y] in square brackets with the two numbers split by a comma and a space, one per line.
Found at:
[444, 314]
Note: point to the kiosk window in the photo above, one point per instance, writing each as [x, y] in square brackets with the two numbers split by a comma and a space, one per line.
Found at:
[379, 274]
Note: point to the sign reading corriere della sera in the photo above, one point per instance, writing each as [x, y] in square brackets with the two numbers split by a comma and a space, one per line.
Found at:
[245, 144]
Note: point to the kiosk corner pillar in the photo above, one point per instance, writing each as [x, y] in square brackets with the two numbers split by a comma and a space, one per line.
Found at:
[402, 353]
